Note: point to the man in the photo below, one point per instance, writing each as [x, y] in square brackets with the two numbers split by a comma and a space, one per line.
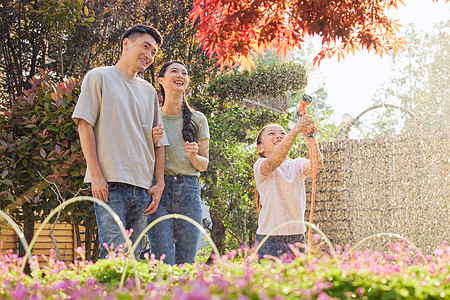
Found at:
[115, 113]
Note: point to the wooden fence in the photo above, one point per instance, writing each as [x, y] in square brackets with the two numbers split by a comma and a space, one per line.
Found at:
[64, 236]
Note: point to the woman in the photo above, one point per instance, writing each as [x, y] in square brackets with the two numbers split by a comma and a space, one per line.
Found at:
[186, 156]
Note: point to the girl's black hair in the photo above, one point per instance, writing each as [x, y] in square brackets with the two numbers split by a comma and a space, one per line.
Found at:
[258, 139]
[190, 128]
[256, 196]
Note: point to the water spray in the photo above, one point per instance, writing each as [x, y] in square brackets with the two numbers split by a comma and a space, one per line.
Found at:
[306, 100]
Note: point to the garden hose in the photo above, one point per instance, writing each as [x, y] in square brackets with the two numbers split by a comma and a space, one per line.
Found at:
[306, 100]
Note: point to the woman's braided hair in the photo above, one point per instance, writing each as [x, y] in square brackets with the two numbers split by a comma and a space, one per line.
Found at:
[190, 128]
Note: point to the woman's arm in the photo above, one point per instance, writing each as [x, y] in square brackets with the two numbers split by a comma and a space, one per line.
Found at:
[198, 154]
[157, 133]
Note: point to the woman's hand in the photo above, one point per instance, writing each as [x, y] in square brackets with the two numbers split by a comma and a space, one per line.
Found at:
[157, 133]
[191, 149]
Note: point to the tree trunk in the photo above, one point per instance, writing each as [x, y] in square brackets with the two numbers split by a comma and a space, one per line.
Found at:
[217, 234]
[91, 240]
[28, 230]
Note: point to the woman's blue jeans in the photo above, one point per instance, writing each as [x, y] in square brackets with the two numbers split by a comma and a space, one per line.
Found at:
[129, 203]
[176, 238]
[277, 245]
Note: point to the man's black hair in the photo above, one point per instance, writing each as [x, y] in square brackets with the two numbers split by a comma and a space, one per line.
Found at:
[142, 29]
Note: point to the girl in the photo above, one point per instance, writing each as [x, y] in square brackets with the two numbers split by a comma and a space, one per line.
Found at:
[280, 189]
[186, 156]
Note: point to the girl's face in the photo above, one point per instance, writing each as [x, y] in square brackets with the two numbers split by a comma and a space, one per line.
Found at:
[271, 136]
[175, 78]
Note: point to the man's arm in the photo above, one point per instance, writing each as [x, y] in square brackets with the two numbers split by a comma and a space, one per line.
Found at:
[157, 190]
[99, 186]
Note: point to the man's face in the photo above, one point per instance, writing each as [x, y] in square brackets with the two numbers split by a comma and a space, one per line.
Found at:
[140, 51]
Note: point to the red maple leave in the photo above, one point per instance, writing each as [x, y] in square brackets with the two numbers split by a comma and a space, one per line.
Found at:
[230, 29]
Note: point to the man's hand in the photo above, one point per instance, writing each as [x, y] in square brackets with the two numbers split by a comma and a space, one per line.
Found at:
[99, 188]
[157, 133]
[155, 193]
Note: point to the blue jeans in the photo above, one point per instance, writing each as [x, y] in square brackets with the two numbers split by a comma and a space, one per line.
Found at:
[129, 203]
[177, 238]
[277, 245]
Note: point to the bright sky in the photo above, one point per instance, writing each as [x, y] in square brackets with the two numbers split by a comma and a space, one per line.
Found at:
[351, 82]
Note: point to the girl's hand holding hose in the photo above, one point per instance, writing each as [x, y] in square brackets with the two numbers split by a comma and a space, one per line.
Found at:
[304, 125]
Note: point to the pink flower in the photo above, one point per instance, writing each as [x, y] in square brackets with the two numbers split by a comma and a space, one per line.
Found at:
[316, 238]
[438, 252]
[232, 254]
[323, 296]
[419, 255]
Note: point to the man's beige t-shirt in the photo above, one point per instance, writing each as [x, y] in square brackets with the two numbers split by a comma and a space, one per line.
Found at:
[122, 110]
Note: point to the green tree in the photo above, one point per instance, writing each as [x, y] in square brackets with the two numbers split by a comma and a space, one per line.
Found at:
[32, 34]
[318, 109]
[420, 85]
[72, 37]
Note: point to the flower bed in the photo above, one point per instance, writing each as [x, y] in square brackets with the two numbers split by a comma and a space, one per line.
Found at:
[398, 274]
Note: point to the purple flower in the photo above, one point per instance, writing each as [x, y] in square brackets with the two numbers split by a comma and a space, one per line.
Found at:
[131, 283]
[19, 293]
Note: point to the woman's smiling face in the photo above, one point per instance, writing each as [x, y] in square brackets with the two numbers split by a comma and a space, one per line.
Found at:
[175, 77]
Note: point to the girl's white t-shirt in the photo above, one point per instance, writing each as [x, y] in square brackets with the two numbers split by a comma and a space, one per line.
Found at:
[283, 197]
